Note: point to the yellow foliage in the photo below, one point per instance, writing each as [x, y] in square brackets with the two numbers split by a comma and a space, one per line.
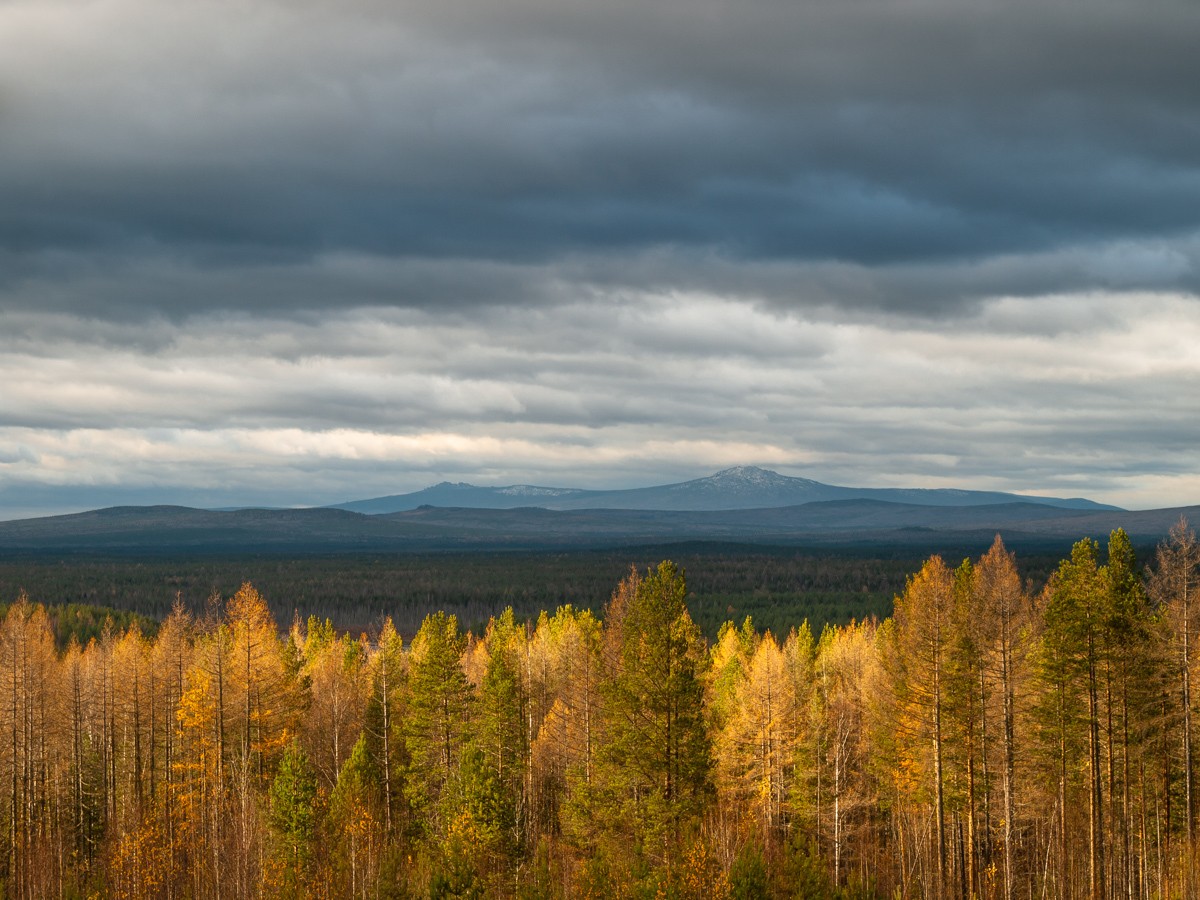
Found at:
[141, 863]
[194, 709]
[701, 877]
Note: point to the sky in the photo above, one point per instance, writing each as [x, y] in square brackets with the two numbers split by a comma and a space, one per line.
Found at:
[301, 252]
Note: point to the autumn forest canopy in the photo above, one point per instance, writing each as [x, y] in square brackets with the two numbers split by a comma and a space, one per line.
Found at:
[986, 740]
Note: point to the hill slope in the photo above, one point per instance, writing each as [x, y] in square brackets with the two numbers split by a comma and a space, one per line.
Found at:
[180, 530]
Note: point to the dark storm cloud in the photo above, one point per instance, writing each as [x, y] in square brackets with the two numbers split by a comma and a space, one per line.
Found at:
[304, 251]
[521, 152]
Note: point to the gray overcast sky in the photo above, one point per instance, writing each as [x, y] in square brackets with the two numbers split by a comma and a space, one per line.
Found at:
[306, 251]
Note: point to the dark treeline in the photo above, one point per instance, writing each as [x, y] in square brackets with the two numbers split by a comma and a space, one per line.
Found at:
[778, 587]
[984, 741]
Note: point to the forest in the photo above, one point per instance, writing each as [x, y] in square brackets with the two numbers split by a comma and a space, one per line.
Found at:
[986, 740]
[778, 586]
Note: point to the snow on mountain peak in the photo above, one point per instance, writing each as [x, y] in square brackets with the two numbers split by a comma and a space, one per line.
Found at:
[529, 490]
[754, 476]
[747, 473]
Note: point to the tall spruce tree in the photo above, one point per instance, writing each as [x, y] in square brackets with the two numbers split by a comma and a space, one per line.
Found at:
[1074, 641]
[295, 817]
[1133, 684]
[381, 720]
[439, 697]
[657, 754]
[493, 785]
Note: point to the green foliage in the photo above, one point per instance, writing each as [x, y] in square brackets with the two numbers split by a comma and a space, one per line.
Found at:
[748, 875]
[802, 874]
[1069, 650]
[318, 635]
[484, 806]
[496, 771]
[385, 711]
[439, 696]
[778, 586]
[456, 880]
[545, 877]
[294, 811]
[395, 872]
[656, 760]
[357, 784]
[1075, 614]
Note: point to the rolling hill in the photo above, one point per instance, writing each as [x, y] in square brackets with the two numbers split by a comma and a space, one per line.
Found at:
[875, 523]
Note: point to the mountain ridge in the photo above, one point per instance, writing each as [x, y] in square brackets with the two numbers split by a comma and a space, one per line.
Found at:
[738, 487]
[863, 522]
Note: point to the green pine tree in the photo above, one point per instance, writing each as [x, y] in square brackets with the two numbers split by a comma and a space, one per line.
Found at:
[656, 760]
[295, 814]
[1071, 672]
[381, 722]
[439, 697]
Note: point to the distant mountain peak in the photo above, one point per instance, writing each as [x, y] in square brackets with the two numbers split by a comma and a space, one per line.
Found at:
[755, 478]
[746, 472]
[752, 475]
[737, 487]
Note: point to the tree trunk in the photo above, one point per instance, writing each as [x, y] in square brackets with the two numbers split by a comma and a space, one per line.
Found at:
[1009, 799]
[1095, 793]
[939, 775]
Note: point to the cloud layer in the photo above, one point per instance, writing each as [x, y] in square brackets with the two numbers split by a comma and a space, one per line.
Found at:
[301, 252]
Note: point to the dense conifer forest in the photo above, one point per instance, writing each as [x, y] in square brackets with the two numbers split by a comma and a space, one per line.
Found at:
[985, 740]
[779, 586]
